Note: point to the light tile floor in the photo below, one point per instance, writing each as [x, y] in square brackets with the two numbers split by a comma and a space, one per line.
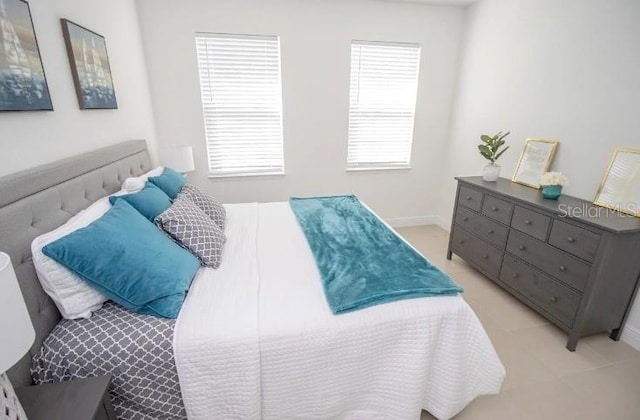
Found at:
[600, 380]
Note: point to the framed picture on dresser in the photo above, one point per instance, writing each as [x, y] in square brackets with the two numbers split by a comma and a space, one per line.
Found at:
[535, 160]
[90, 67]
[23, 85]
[620, 186]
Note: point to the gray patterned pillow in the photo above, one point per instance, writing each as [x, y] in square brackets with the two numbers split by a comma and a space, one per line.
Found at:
[188, 225]
[210, 206]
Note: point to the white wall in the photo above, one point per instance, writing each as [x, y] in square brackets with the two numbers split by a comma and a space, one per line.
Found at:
[568, 70]
[28, 139]
[315, 38]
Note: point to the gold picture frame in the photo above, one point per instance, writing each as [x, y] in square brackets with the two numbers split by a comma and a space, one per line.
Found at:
[535, 159]
[619, 189]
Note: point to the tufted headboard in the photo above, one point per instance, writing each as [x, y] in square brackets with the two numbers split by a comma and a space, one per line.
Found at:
[39, 200]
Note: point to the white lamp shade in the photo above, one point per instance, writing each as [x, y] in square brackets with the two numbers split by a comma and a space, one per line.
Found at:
[16, 329]
[178, 158]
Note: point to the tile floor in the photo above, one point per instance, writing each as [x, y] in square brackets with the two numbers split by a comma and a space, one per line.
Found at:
[600, 380]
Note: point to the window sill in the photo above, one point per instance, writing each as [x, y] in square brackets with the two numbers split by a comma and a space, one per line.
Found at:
[262, 174]
[380, 168]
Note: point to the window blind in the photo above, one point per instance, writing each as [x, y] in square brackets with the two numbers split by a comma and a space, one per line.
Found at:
[384, 86]
[242, 102]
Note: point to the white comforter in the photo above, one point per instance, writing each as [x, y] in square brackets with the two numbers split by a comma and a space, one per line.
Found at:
[256, 339]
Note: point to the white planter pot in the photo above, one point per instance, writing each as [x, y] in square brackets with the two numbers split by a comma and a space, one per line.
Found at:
[491, 172]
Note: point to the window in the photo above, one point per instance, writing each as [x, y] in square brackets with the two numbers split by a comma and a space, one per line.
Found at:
[242, 103]
[382, 104]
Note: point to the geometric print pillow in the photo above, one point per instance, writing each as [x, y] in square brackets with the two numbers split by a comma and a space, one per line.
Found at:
[188, 225]
[211, 207]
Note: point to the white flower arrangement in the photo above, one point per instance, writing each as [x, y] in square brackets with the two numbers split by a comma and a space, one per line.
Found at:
[554, 178]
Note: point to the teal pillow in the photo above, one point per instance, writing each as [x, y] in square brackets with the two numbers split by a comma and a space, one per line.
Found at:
[129, 260]
[150, 201]
[171, 182]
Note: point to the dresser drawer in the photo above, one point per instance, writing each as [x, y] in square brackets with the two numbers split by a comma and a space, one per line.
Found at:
[531, 223]
[497, 209]
[470, 198]
[559, 264]
[575, 240]
[555, 298]
[477, 251]
[480, 226]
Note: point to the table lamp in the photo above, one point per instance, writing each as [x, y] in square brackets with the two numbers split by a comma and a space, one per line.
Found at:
[178, 158]
[17, 335]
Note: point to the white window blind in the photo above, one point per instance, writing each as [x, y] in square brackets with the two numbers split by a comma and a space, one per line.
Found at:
[242, 101]
[384, 86]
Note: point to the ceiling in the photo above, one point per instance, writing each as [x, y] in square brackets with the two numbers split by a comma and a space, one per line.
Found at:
[441, 2]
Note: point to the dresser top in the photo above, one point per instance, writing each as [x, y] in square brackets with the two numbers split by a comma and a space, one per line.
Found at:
[570, 207]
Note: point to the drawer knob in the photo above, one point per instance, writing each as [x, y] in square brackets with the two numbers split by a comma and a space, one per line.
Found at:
[515, 275]
[522, 247]
[465, 219]
[563, 268]
[571, 239]
[494, 208]
[490, 231]
[554, 299]
[468, 198]
[461, 241]
[527, 222]
[486, 257]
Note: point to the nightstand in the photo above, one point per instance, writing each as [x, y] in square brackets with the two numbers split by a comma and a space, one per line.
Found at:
[80, 399]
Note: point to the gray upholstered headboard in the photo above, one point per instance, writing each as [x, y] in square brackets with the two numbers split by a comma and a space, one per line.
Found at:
[38, 200]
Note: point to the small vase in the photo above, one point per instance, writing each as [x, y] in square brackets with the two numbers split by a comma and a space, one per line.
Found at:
[551, 192]
[491, 172]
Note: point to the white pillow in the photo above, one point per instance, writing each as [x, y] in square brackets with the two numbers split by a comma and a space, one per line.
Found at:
[72, 295]
[135, 184]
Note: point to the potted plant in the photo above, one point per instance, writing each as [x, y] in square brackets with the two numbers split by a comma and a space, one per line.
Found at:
[491, 149]
[552, 183]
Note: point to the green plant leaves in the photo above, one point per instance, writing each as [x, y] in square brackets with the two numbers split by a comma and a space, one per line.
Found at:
[484, 149]
[500, 154]
[491, 149]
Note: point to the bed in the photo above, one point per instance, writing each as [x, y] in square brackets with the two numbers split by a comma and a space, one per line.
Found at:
[264, 345]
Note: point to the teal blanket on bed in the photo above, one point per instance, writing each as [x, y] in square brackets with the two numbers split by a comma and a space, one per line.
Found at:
[361, 261]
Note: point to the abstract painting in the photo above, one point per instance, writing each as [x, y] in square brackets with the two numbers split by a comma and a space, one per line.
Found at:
[23, 86]
[90, 67]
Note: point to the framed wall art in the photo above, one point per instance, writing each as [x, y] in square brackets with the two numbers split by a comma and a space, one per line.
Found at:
[23, 85]
[90, 67]
[620, 186]
[535, 160]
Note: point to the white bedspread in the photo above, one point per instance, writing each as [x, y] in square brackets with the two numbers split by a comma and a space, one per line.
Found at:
[256, 339]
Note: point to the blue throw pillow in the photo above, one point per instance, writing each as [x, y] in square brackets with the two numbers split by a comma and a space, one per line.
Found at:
[171, 182]
[129, 260]
[150, 201]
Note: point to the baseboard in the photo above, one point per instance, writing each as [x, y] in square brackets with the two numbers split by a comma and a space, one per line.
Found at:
[443, 223]
[631, 336]
[419, 221]
[412, 221]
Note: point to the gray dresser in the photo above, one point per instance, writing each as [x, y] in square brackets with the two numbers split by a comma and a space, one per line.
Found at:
[574, 263]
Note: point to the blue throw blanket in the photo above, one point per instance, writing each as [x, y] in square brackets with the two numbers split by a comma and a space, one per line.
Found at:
[361, 261]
